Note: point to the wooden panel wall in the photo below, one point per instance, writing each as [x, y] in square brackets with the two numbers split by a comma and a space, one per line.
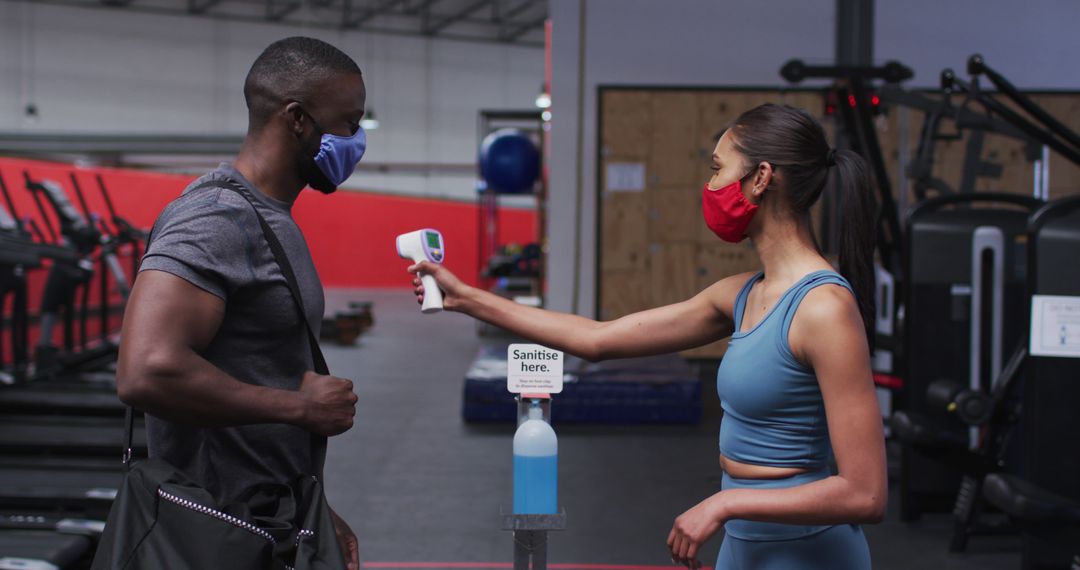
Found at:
[654, 246]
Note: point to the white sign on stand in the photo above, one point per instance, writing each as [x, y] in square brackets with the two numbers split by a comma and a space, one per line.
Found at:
[533, 369]
[1055, 326]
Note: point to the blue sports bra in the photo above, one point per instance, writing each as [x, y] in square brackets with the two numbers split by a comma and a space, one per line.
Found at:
[773, 410]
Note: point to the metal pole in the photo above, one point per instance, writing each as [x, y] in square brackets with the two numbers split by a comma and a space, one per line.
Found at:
[1044, 178]
[539, 555]
[854, 47]
[903, 123]
[530, 550]
[522, 549]
[854, 32]
[530, 538]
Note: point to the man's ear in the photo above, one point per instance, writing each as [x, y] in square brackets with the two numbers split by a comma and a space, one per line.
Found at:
[294, 117]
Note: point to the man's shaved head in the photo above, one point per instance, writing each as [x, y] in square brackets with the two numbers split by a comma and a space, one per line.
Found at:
[292, 69]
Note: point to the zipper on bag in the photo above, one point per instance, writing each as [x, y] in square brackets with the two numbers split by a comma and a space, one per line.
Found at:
[224, 517]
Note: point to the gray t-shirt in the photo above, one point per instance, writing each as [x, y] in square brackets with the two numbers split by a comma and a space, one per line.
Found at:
[211, 238]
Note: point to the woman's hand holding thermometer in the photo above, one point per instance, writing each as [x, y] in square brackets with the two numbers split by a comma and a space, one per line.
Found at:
[425, 245]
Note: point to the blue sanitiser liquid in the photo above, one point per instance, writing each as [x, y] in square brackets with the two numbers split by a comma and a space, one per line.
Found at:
[536, 459]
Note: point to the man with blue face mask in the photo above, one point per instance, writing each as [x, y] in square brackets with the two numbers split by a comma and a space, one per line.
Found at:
[335, 160]
[214, 349]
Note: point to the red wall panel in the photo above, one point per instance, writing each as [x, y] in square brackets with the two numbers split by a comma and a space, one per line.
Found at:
[350, 234]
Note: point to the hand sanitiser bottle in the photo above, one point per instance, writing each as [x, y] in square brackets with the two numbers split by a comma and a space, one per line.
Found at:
[536, 456]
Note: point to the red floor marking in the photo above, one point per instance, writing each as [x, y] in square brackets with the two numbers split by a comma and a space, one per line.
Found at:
[503, 565]
[437, 565]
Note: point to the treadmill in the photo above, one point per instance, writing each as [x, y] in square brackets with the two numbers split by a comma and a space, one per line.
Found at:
[46, 541]
[60, 400]
[70, 484]
[65, 282]
[89, 394]
[59, 477]
[70, 436]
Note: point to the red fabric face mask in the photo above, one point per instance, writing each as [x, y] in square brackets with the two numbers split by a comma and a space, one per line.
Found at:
[727, 212]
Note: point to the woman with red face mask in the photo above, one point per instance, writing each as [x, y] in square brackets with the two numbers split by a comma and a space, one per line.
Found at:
[795, 383]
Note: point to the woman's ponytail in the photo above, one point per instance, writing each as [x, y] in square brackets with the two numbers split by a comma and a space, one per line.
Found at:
[858, 213]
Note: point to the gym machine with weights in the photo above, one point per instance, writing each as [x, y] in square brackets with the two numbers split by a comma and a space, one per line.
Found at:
[1044, 498]
[936, 409]
[973, 405]
[965, 304]
[952, 430]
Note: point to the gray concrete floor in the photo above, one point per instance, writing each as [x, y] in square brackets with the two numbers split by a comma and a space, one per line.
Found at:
[418, 485]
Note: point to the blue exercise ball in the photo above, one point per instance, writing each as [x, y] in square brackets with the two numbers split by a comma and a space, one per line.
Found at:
[509, 162]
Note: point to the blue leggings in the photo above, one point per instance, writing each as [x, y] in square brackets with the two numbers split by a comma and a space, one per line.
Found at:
[753, 545]
[841, 547]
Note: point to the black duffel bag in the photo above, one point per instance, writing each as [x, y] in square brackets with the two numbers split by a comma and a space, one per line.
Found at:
[161, 519]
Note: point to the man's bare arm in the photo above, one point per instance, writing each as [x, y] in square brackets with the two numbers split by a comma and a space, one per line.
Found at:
[167, 324]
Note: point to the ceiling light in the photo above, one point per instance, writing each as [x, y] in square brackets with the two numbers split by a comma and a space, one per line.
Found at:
[543, 100]
[369, 122]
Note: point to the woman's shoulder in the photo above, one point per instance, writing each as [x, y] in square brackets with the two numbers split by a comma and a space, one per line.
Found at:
[826, 313]
[723, 292]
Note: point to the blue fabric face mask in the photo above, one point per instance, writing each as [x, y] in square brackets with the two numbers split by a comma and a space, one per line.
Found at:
[338, 156]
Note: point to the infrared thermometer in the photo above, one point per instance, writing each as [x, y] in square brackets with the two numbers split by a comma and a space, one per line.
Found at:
[424, 245]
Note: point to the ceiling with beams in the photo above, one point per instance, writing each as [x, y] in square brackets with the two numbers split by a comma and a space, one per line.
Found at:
[519, 22]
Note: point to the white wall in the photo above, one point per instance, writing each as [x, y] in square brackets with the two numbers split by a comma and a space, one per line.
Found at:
[93, 70]
[743, 43]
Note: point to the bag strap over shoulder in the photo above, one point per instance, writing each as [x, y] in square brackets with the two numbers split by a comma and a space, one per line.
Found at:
[287, 271]
[318, 442]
